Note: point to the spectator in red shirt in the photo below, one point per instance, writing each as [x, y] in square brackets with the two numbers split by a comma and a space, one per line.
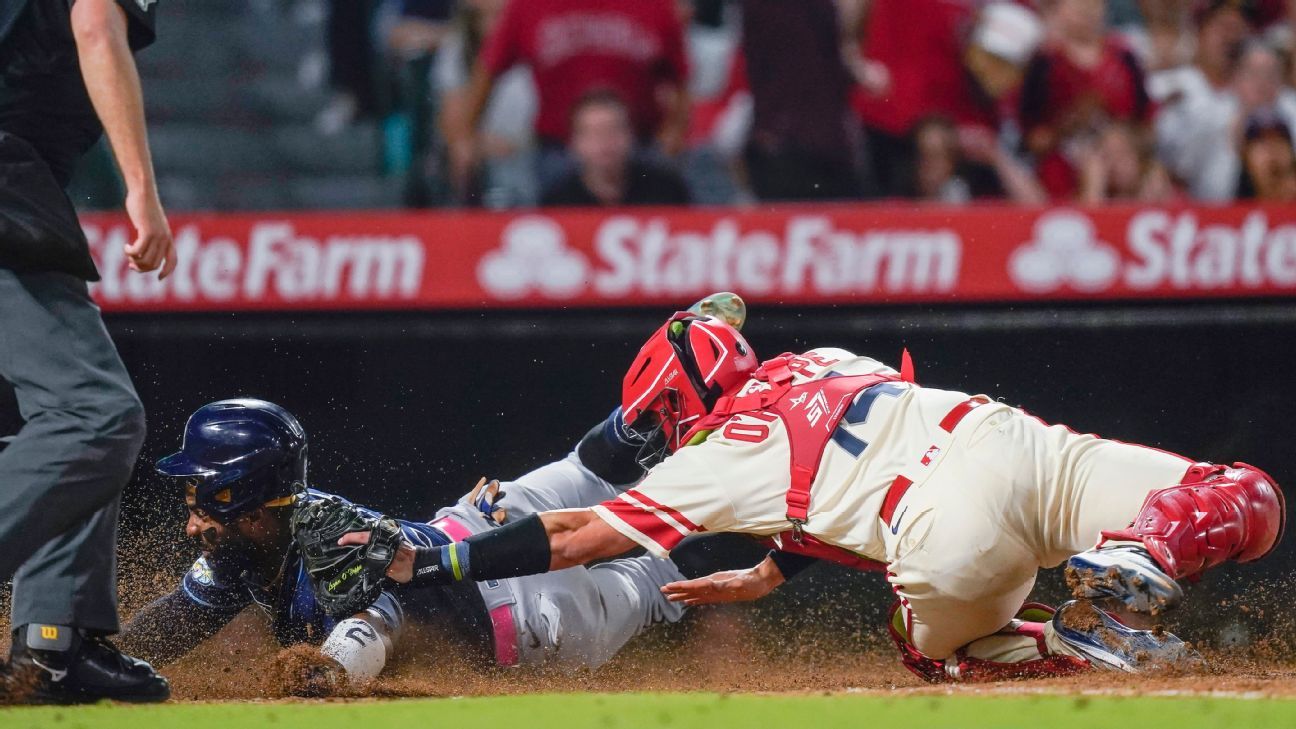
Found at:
[1081, 79]
[936, 57]
[632, 47]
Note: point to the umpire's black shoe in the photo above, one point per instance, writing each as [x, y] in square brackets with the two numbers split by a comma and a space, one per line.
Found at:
[56, 664]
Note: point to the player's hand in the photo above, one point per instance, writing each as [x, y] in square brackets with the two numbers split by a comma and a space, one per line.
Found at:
[728, 586]
[402, 567]
[153, 245]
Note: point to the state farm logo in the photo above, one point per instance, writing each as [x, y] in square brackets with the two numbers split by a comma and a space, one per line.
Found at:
[272, 260]
[1065, 250]
[804, 254]
[534, 256]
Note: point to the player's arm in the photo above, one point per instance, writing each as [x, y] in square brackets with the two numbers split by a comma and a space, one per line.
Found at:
[112, 81]
[171, 626]
[739, 585]
[545, 542]
[362, 644]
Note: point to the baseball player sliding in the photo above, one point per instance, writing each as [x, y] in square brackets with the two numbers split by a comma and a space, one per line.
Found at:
[244, 466]
[958, 498]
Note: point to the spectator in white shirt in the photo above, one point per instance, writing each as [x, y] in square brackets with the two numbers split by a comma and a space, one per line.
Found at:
[1200, 133]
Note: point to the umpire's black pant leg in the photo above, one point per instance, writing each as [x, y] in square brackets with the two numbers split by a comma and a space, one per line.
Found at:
[62, 475]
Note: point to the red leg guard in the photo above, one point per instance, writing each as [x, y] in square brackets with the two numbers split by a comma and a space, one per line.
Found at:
[967, 669]
[1216, 513]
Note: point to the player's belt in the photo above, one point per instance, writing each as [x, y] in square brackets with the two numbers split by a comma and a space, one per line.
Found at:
[898, 488]
[507, 652]
[452, 528]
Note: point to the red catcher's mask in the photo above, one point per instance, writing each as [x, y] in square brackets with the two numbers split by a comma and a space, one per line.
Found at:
[677, 377]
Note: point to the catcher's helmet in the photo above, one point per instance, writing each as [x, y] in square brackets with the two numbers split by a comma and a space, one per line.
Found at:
[679, 374]
[239, 455]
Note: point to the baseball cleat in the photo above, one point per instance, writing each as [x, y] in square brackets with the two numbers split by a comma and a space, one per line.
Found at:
[725, 306]
[1109, 645]
[1126, 573]
[58, 664]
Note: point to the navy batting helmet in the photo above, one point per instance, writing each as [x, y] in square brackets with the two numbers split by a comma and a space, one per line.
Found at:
[240, 455]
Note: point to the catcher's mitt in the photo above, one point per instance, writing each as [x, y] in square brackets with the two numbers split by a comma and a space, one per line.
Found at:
[347, 579]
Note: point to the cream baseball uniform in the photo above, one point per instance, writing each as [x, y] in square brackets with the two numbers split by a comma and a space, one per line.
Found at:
[987, 494]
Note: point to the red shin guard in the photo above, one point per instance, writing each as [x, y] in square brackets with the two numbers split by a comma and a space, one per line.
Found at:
[1216, 513]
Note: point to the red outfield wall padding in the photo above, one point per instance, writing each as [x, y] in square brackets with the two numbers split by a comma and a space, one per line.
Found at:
[790, 254]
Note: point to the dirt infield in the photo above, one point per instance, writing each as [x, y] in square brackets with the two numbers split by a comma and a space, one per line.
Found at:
[713, 654]
[822, 639]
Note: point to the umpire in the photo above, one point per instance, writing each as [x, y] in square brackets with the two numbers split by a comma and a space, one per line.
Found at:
[66, 76]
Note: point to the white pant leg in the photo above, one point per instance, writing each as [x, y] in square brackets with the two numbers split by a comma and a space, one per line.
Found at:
[962, 562]
[1101, 485]
[564, 484]
[583, 616]
[1011, 494]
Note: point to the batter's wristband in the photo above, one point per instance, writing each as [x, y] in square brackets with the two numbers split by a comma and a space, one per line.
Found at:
[431, 567]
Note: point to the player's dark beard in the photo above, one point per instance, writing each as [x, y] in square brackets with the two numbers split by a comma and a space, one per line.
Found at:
[234, 551]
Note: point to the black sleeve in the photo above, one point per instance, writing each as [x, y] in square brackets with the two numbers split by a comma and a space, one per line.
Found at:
[610, 452]
[171, 626]
[567, 192]
[435, 10]
[142, 15]
[790, 564]
[1034, 93]
[680, 191]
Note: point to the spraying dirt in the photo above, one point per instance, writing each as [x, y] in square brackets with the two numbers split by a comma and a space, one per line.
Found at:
[826, 635]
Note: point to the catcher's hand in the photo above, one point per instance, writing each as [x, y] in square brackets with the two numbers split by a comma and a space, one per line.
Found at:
[728, 586]
[347, 577]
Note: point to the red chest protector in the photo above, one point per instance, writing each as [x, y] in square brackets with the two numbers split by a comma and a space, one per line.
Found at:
[810, 413]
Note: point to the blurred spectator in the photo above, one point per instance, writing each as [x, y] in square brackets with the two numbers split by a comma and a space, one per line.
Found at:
[419, 27]
[1222, 26]
[1119, 165]
[351, 60]
[607, 172]
[944, 171]
[1201, 132]
[800, 145]
[1268, 161]
[919, 59]
[507, 139]
[1161, 35]
[634, 47]
[1083, 77]
[720, 105]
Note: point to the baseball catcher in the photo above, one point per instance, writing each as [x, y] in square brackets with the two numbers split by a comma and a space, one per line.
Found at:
[957, 498]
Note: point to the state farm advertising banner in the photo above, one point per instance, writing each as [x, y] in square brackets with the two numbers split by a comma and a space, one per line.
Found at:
[847, 254]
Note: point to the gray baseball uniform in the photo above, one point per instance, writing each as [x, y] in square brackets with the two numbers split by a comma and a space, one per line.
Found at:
[579, 616]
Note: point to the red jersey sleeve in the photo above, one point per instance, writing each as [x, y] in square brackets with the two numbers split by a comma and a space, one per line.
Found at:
[503, 47]
[679, 497]
[674, 64]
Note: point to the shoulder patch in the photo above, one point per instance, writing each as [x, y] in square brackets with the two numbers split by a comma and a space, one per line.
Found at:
[201, 572]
